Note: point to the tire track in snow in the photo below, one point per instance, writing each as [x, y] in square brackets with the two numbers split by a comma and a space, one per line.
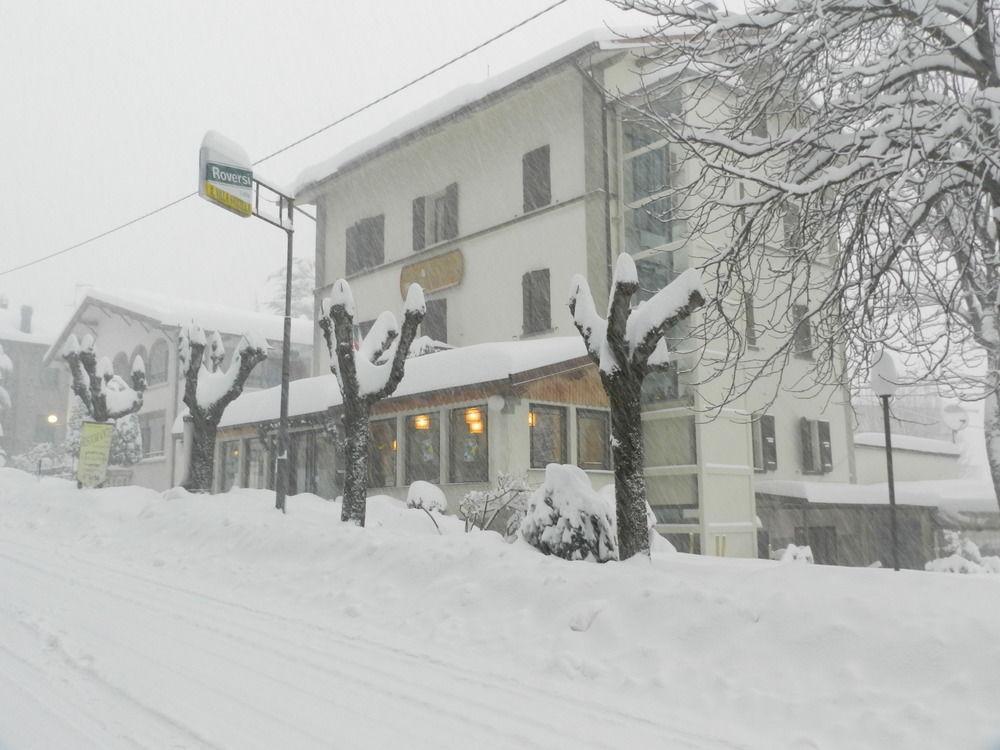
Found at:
[512, 689]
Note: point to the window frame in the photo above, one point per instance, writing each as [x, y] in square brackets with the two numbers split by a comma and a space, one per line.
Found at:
[408, 443]
[373, 454]
[563, 411]
[145, 430]
[155, 376]
[460, 412]
[361, 250]
[586, 413]
[817, 446]
[764, 443]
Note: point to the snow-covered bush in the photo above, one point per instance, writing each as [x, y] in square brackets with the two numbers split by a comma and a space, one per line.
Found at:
[964, 557]
[426, 497]
[568, 519]
[499, 508]
[795, 554]
[51, 458]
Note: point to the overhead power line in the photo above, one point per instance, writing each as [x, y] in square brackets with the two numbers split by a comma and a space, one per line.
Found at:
[293, 144]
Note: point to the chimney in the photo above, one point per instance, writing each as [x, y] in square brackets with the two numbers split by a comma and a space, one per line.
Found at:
[26, 312]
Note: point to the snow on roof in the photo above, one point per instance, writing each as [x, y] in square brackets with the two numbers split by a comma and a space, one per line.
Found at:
[453, 368]
[960, 495]
[172, 311]
[304, 187]
[908, 443]
[10, 328]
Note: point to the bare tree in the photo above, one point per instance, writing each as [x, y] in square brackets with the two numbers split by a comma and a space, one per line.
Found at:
[105, 396]
[845, 168]
[365, 377]
[626, 347]
[209, 389]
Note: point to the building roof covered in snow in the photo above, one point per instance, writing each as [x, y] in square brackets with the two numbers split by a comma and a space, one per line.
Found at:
[956, 495]
[512, 362]
[16, 325]
[171, 312]
[462, 100]
[908, 443]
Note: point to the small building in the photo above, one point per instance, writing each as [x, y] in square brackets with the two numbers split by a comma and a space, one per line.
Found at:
[37, 412]
[127, 323]
[913, 458]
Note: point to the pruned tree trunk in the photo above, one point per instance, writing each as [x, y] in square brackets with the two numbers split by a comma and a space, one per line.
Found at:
[206, 414]
[624, 355]
[365, 377]
[991, 422]
[627, 452]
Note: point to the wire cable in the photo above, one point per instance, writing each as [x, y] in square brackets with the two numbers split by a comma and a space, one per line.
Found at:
[293, 144]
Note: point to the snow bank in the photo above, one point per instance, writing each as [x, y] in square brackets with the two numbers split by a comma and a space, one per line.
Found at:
[744, 654]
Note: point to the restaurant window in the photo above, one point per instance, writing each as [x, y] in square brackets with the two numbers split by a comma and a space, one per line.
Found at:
[365, 244]
[435, 217]
[256, 474]
[536, 301]
[547, 426]
[229, 452]
[423, 448]
[382, 453]
[467, 440]
[536, 181]
[593, 439]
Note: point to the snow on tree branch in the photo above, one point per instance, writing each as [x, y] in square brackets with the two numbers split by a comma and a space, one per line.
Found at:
[105, 396]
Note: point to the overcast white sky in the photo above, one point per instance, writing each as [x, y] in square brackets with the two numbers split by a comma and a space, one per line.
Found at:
[105, 104]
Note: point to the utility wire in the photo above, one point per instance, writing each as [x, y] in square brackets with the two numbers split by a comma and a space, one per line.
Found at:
[293, 144]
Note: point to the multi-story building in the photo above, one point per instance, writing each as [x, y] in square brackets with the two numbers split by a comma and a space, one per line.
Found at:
[125, 324]
[494, 197]
[37, 412]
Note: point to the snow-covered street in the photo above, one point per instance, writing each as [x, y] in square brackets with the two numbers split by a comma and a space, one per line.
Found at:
[131, 619]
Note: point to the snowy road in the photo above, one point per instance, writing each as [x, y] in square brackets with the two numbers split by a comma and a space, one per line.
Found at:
[98, 656]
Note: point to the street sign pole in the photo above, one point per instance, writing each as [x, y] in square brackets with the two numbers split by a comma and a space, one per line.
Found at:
[226, 178]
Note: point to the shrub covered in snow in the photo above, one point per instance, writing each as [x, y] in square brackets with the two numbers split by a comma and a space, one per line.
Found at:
[568, 519]
[791, 553]
[964, 557]
[426, 497]
[500, 508]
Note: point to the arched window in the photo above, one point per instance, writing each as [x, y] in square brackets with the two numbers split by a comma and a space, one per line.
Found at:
[156, 367]
[121, 366]
[139, 351]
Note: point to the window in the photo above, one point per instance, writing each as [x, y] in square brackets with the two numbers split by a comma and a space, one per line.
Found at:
[256, 472]
[268, 373]
[751, 321]
[366, 244]
[817, 449]
[593, 439]
[660, 385]
[650, 170]
[468, 451]
[122, 368]
[152, 427]
[382, 453]
[802, 335]
[654, 273]
[536, 301]
[435, 217]
[361, 330]
[423, 448]
[229, 452]
[650, 225]
[547, 425]
[765, 449]
[159, 361]
[536, 179]
[435, 323]
[792, 223]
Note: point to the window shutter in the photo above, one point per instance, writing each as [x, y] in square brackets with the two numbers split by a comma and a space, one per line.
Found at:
[825, 447]
[527, 302]
[353, 264]
[806, 440]
[543, 300]
[376, 243]
[451, 212]
[770, 446]
[418, 224]
[751, 329]
[536, 183]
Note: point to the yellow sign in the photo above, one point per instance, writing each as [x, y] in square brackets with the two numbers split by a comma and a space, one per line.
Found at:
[95, 448]
[433, 274]
[228, 200]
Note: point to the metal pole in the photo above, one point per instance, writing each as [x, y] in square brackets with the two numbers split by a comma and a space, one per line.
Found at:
[281, 483]
[892, 486]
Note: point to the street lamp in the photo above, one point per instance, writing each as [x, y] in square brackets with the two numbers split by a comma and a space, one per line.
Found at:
[883, 380]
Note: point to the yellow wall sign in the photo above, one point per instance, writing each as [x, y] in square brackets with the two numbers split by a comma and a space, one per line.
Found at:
[434, 274]
[95, 448]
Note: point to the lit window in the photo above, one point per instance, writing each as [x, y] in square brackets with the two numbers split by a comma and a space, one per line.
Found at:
[547, 425]
[468, 451]
[423, 448]
[382, 454]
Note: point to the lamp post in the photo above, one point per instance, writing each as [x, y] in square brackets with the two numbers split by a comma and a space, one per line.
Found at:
[883, 381]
